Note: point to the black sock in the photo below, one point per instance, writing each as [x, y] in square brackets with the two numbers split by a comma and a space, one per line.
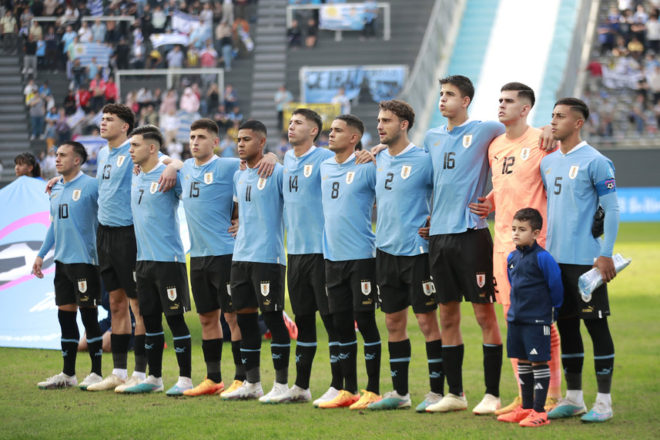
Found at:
[280, 346]
[119, 343]
[212, 349]
[572, 352]
[94, 337]
[305, 348]
[436, 371]
[399, 361]
[452, 360]
[238, 363]
[140, 354]
[541, 384]
[492, 368]
[250, 345]
[69, 341]
[154, 339]
[333, 347]
[182, 343]
[348, 360]
[603, 352]
[526, 378]
[372, 348]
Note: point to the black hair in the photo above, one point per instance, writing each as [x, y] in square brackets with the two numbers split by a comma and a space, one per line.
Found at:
[254, 125]
[530, 215]
[78, 149]
[310, 115]
[149, 132]
[577, 105]
[29, 159]
[524, 91]
[462, 82]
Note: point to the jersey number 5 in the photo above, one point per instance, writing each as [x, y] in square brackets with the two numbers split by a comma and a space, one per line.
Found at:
[557, 185]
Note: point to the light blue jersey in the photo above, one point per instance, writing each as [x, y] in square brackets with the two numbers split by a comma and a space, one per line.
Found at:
[303, 210]
[348, 193]
[73, 208]
[404, 184]
[156, 219]
[114, 174]
[576, 183]
[260, 237]
[460, 170]
[208, 192]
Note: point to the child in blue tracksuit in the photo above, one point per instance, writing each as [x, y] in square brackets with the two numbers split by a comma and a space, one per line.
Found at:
[536, 293]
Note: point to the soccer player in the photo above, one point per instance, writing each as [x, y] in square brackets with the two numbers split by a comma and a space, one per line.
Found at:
[348, 192]
[402, 264]
[303, 218]
[460, 247]
[515, 160]
[162, 282]
[208, 183]
[257, 269]
[578, 179]
[73, 207]
[116, 243]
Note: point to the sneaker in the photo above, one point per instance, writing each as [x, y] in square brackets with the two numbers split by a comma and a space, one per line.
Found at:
[278, 394]
[342, 399]
[295, 394]
[488, 405]
[131, 382]
[601, 412]
[205, 388]
[150, 385]
[535, 419]
[327, 396]
[550, 403]
[451, 402]
[430, 399]
[181, 385]
[365, 400]
[567, 408]
[516, 416]
[517, 403]
[90, 380]
[236, 384]
[58, 381]
[109, 383]
[391, 400]
[247, 391]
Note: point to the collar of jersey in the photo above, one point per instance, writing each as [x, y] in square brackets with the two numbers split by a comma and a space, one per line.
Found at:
[80, 173]
[575, 148]
[307, 153]
[214, 157]
[402, 152]
[347, 161]
[121, 147]
[157, 167]
[458, 126]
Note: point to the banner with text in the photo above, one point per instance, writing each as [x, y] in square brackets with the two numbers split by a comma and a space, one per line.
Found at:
[639, 204]
[342, 17]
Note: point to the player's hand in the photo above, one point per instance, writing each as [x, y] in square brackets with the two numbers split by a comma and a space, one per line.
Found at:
[36, 267]
[167, 179]
[136, 169]
[233, 229]
[547, 141]
[483, 208]
[424, 230]
[363, 156]
[266, 165]
[606, 268]
[51, 183]
[377, 149]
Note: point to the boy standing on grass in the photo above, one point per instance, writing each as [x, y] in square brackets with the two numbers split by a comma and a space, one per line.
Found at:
[536, 292]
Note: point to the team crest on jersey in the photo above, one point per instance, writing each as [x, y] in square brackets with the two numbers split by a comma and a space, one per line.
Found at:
[261, 184]
[524, 153]
[307, 170]
[428, 288]
[481, 279]
[467, 140]
[365, 286]
[265, 288]
[153, 188]
[171, 293]
[405, 171]
[82, 286]
[208, 178]
[349, 177]
[76, 195]
[572, 173]
[120, 160]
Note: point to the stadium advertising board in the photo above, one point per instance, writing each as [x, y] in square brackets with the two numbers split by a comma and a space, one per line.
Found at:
[639, 204]
[343, 17]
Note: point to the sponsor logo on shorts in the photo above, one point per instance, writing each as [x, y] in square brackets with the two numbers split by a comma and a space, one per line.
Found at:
[261, 183]
[208, 178]
[533, 351]
[76, 195]
[153, 188]
[349, 177]
[481, 279]
[82, 286]
[265, 288]
[365, 286]
[429, 288]
[467, 140]
[524, 153]
[572, 173]
[405, 171]
[120, 160]
[307, 170]
[171, 293]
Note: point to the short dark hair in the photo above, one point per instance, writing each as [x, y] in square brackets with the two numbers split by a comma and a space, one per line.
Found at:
[530, 215]
[123, 112]
[29, 159]
[254, 125]
[576, 105]
[149, 132]
[524, 91]
[310, 115]
[78, 149]
[352, 121]
[462, 82]
[205, 124]
[401, 109]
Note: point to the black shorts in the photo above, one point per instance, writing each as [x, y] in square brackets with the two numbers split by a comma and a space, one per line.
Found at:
[77, 283]
[306, 279]
[162, 287]
[528, 341]
[405, 281]
[257, 285]
[573, 306]
[462, 266]
[209, 279]
[117, 251]
[351, 285]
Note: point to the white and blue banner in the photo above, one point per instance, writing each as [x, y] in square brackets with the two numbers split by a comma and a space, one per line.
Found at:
[342, 17]
[639, 204]
[86, 51]
[158, 40]
[184, 23]
[320, 84]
